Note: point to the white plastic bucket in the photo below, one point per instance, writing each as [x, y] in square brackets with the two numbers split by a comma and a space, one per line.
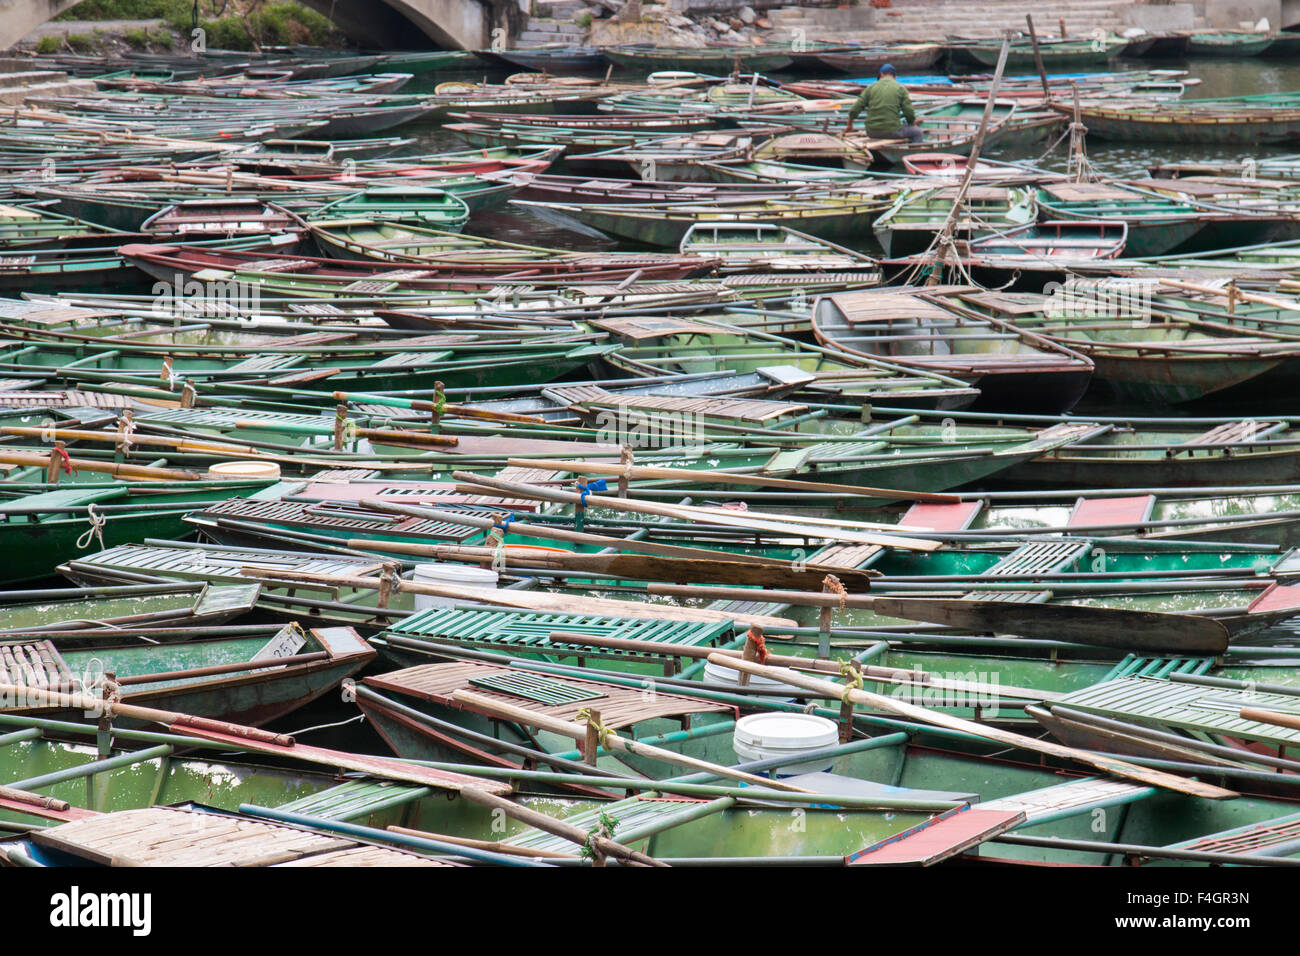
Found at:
[763, 736]
[719, 674]
[452, 575]
[237, 470]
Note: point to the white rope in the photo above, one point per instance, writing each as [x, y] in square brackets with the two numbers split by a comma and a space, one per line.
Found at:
[95, 531]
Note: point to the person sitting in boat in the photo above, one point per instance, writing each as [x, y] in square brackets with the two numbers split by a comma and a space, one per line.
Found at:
[887, 102]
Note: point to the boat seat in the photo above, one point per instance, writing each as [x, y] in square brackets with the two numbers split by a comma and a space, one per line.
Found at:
[276, 265]
[1040, 557]
[266, 363]
[1092, 512]
[1134, 665]
[1277, 597]
[356, 799]
[1229, 433]
[956, 516]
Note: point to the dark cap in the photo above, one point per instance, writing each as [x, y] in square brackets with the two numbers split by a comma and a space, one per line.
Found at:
[888, 68]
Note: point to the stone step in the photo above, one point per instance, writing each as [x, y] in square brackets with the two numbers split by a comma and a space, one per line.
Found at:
[16, 95]
[31, 77]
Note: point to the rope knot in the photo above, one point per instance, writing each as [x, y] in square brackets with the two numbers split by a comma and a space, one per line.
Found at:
[598, 485]
[602, 732]
[755, 634]
[96, 529]
[852, 679]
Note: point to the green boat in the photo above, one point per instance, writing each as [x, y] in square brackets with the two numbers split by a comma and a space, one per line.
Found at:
[910, 224]
[98, 611]
[40, 531]
[1229, 44]
[1157, 225]
[247, 679]
[1208, 122]
[839, 218]
[430, 208]
[1055, 53]
[718, 60]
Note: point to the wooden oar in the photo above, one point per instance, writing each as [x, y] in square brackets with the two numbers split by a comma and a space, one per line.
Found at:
[611, 740]
[892, 675]
[562, 534]
[891, 705]
[116, 469]
[1097, 626]
[727, 478]
[637, 567]
[749, 520]
[533, 600]
[1283, 304]
[1270, 717]
[448, 409]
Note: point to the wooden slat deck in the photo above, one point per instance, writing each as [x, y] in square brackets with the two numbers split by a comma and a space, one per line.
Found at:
[172, 836]
[1075, 796]
[630, 814]
[164, 836]
[940, 837]
[1107, 511]
[1282, 834]
[217, 563]
[1036, 557]
[618, 706]
[747, 410]
[355, 799]
[339, 515]
[368, 856]
[1229, 433]
[35, 664]
[942, 517]
[529, 631]
[1187, 706]
[652, 328]
[63, 398]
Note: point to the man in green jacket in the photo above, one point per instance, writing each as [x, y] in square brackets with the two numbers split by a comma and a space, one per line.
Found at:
[887, 103]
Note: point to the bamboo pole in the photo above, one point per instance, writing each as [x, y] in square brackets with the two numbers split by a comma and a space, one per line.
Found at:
[526, 529]
[533, 600]
[116, 469]
[1290, 721]
[1038, 58]
[611, 741]
[750, 520]
[725, 478]
[891, 705]
[1098, 626]
[560, 828]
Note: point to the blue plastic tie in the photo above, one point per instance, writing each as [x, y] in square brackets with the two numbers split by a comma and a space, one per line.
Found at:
[597, 485]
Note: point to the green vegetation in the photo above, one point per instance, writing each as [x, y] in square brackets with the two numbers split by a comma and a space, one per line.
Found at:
[149, 39]
[82, 42]
[49, 44]
[584, 19]
[228, 24]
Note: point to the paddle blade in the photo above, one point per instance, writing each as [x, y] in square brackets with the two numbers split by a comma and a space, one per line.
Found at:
[1097, 626]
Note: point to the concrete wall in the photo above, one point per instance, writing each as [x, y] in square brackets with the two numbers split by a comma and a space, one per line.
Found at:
[1160, 17]
[1231, 14]
[1290, 14]
[20, 17]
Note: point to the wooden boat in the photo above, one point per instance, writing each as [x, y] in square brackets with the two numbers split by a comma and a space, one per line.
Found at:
[757, 247]
[1172, 452]
[1260, 514]
[1153, 353]
[387, 241]
[832, 217]
[907, 58]
[246, 679]
[909, 225]
[88, 614]
[1055, 53]
[717, 60]
[1014, 369]
[218, 218]
[555, 59]
[1156, 224]
[657, 346]
[421, 205]
[1228, 44]
[1192, 121]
